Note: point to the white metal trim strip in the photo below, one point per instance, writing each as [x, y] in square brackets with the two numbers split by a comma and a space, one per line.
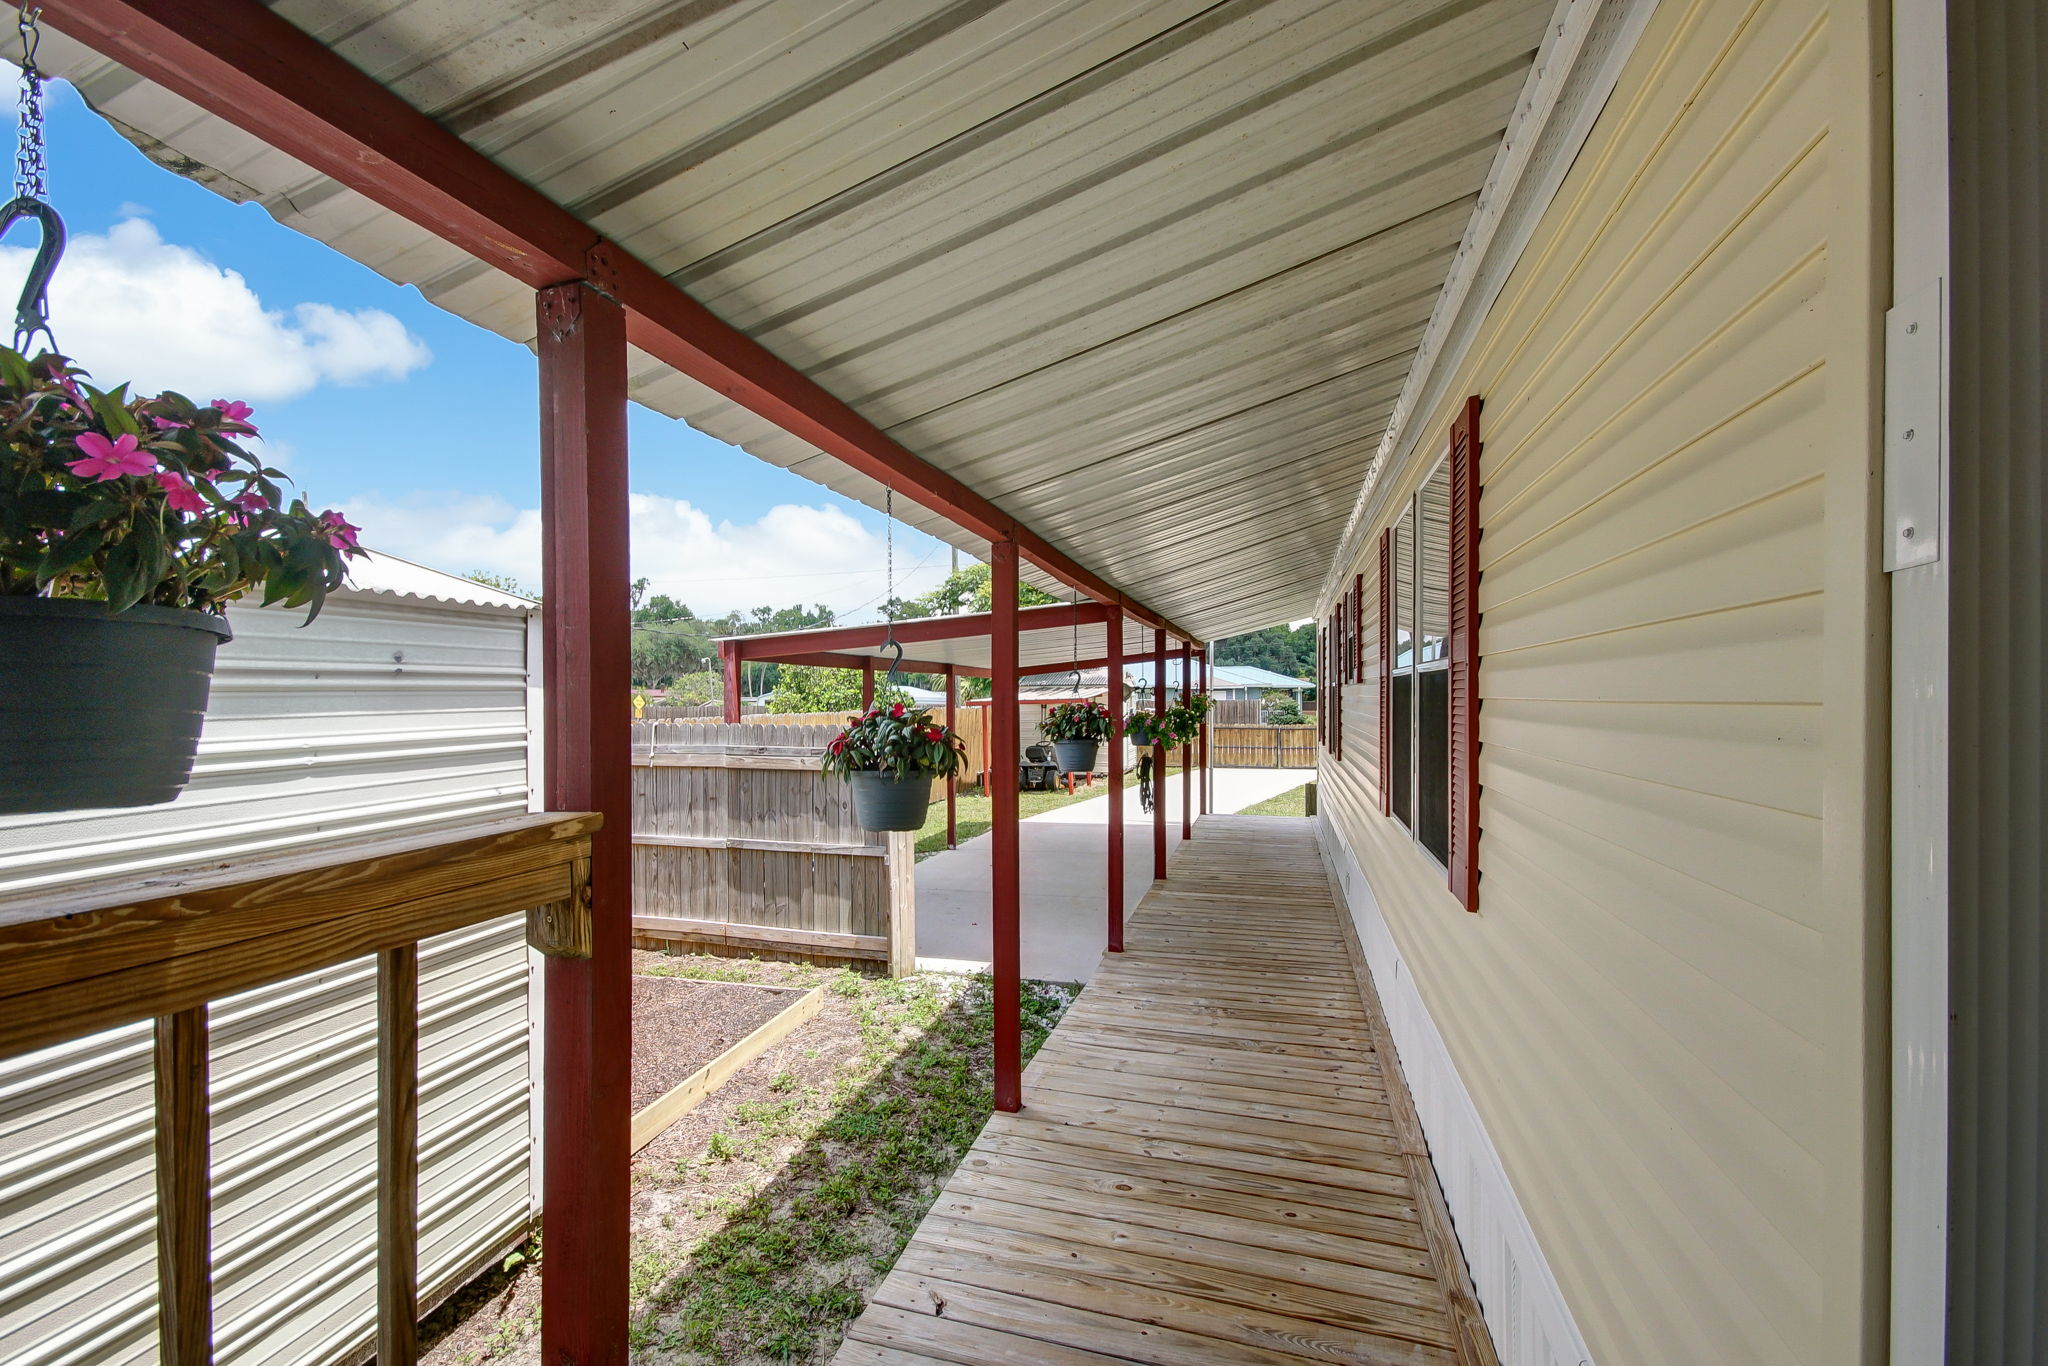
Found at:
[1525, 1309]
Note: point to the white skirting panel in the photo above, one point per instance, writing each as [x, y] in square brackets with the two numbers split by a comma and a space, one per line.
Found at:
[1525, 1309]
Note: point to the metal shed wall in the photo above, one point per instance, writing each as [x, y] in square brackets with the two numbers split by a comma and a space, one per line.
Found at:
[388, 711]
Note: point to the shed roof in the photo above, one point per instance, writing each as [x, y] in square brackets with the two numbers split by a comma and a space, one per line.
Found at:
[1150, 276]
[388, 576]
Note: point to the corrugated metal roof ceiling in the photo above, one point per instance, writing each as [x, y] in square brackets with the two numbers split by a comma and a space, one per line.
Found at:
[1148, 273]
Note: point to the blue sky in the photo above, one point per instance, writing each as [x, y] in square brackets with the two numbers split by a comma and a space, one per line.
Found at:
[421, 425]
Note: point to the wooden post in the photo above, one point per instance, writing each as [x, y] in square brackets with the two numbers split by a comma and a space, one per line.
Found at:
[953, 778]
[867, 684]
[1158, 758]
[1003, 835]
[398, 1155]
[184, 1199]
[901, 861]
[729, 657]
[587, 1084]
[1115, 628]
[1187, 751]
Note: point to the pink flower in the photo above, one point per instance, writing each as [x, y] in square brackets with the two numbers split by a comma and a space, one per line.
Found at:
[165, 424]
[341, 534]
[181, 496]
[103, 459]
[236, 412]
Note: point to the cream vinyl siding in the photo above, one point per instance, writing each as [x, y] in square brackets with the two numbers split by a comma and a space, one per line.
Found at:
[1664, 1011]
[387, 711]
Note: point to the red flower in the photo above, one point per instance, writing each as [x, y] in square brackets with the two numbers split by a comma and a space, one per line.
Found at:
[932, 734]
[897, 711]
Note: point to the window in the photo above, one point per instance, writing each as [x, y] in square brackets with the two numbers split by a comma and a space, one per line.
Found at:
[1425, 641]
[1419, 762]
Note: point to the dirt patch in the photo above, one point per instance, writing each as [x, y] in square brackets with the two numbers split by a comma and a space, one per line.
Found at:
[680, 1025]
[763, 1219]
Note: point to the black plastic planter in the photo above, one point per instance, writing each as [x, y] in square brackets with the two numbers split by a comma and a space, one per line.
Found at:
[1076, 756]
[99, 709]
[883, 801]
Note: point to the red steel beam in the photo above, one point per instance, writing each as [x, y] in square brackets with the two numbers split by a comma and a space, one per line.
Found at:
[867, 684]
[587, 1056]
[244, 63]
[915, 631]
[1004, 873]
[1159, 759]
[730, 665]
[1203, 670]
[1115, 877]
[825, 661]
[1187, 751]
[953, 778]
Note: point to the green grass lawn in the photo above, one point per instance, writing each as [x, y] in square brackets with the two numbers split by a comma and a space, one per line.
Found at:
[1293, 802]
[973, 815]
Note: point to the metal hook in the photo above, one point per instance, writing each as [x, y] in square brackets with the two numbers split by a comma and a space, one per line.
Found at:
[896, 665]
[32, 309]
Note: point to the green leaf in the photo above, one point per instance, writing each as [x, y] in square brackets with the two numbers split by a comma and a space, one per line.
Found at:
[69, 551]
[130, 574]
[111, 411]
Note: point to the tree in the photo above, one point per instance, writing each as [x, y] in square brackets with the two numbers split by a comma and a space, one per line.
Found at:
[504, 583]
[803, 688]
[1285, 651]
[662, 654]
[966, 590]
[1281, 710]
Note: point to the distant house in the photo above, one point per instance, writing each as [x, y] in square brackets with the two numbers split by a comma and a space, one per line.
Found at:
[1232, 682]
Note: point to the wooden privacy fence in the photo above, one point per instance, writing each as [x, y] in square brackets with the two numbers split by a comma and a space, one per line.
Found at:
[740, 844]
[1262, 746]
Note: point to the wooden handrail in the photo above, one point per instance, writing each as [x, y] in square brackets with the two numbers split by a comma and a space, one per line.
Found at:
[90, 956]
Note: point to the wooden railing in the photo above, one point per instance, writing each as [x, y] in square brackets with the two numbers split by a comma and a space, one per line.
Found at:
[87, 957]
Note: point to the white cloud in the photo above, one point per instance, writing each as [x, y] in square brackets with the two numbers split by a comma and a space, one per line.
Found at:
[792, 554]
[130, 306]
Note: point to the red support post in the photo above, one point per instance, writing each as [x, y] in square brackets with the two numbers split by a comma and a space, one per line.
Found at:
[953, 778]
[588, 1049]
[1187, 751]
[867, 684]
[1158, 758]
[1202, 739]
[1003, 853]
[1116, 780]
[730, 659]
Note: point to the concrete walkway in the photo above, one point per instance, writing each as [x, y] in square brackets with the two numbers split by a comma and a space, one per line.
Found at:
[1064, 903]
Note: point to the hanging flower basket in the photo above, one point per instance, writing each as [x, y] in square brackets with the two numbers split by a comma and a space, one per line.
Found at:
[126, 527]
[888, 801]
[99, 708]
[1077, 730]
[892, 755]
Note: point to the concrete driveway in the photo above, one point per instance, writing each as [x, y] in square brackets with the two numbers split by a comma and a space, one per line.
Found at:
[1065, 902]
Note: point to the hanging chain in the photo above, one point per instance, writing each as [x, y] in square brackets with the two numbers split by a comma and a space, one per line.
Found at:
[889, 532]
[31, 172]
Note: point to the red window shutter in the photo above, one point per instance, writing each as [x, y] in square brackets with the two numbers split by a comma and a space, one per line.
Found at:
[1337, 683]
[1464, 643]
[1386, 646]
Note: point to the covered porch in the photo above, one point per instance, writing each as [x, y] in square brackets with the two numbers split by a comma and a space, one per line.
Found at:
[1217, 1159]
[1127, 301]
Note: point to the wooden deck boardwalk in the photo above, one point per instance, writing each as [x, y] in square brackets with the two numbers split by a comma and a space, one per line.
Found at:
[1217, 1160]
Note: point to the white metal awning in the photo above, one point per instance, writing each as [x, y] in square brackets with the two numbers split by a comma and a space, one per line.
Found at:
[1150, 274]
